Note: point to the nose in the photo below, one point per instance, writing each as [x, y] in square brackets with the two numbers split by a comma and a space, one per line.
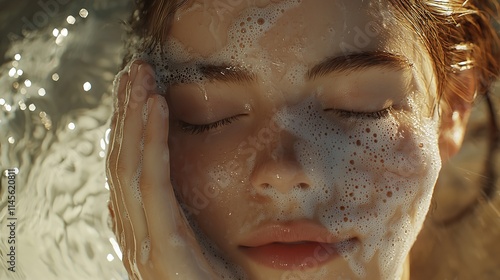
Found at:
[278, 168]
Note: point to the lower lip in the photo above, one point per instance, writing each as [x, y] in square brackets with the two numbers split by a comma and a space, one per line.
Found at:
[286, 256]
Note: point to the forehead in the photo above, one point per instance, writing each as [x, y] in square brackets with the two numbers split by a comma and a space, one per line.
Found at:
[285, 27]
[281, 39]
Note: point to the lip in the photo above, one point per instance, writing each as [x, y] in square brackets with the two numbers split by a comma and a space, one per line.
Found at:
[292, 245]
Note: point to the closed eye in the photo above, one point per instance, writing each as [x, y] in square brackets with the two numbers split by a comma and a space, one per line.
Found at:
[201, 128]
[346, 114]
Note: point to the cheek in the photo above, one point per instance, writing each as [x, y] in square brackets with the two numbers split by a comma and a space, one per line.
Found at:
[373, 179]
[208, 184]
[388, 164]
[216, 166]
[363, 162]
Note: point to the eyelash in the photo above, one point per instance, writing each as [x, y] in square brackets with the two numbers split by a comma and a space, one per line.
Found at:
[200, 128]
[384, 113]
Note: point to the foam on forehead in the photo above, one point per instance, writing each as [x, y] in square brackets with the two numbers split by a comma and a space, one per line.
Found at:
[175, 62]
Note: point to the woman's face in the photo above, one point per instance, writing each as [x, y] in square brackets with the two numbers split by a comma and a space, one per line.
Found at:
[301, 137]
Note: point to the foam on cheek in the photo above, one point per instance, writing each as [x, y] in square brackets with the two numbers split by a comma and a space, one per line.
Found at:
[371, 178]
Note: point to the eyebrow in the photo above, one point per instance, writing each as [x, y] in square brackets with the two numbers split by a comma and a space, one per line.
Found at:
[343, 63]
[359, 61]
[226, 73]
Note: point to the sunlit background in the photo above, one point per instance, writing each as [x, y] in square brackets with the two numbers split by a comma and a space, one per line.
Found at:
[58, 59]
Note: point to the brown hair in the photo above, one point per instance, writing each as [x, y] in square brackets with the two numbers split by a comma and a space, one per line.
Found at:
[458, 35]
[151, 20]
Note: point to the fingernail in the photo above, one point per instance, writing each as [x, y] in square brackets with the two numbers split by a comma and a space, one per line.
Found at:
[146, 77]
[139, 85]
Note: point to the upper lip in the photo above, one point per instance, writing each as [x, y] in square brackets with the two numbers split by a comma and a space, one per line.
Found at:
[288, 232]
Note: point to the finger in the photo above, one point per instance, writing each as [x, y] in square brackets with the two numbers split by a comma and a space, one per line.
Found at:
[113, 148]
[160, 204]
[131, 155]
[171, 237]
[116, 134]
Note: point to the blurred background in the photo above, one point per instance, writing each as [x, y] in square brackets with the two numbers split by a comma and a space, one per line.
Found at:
[58, 59]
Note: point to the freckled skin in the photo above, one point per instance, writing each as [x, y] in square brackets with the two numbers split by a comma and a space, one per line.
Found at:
[377, 199]
[287, 158]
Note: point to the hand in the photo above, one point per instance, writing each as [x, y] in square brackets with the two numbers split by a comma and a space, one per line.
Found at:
[156, 241]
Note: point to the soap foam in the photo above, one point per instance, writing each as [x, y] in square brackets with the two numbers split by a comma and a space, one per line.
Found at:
[372, 194]
[173, 62]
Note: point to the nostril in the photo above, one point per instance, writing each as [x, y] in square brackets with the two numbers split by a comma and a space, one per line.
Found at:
[265, 186]
[302, 186]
